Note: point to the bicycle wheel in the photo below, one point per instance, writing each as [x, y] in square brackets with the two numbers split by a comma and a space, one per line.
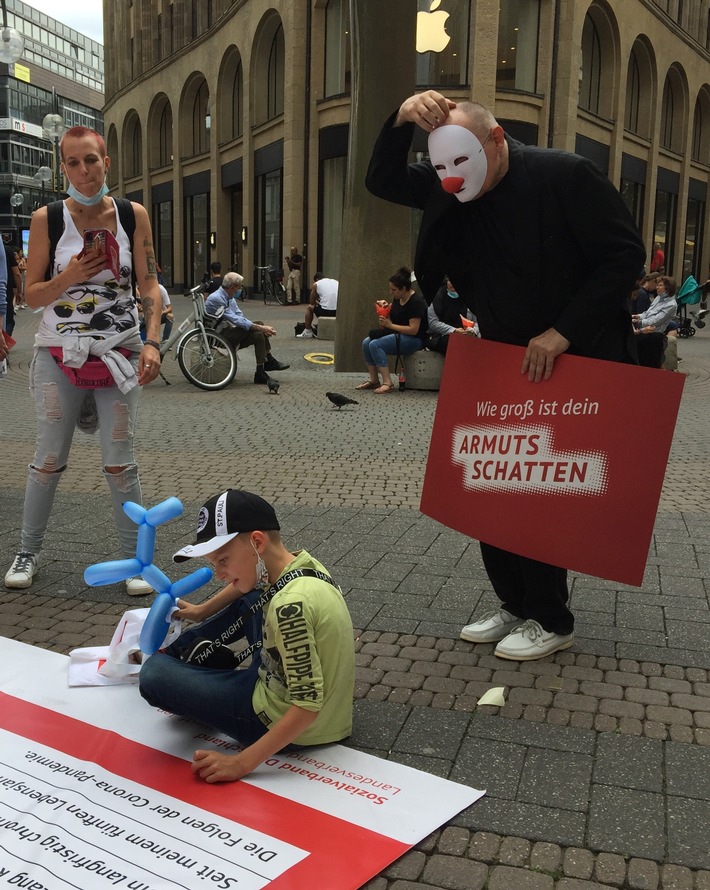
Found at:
[208, 362]
[267, 288]
[280, 292]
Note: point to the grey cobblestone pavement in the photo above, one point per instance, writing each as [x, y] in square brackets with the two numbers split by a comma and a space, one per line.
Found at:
[597, 767]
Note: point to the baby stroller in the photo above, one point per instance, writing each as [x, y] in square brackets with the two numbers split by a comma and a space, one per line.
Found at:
[690, 294]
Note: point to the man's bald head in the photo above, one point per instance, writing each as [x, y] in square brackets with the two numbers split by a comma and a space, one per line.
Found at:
[474, 117]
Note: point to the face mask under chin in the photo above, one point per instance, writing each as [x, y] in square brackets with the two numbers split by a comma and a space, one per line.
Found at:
[90, 201]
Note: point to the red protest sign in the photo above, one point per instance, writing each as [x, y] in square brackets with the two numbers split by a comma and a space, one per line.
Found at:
[567, 471]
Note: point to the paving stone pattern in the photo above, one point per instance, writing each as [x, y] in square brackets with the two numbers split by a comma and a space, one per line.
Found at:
[596, 769]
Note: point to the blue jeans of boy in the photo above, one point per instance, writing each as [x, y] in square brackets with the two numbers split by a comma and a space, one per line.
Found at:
[218, 698]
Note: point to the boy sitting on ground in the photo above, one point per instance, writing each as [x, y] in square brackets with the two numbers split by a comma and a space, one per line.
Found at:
[299, 686]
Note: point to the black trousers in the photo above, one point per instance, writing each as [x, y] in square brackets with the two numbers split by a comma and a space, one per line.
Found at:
[529, 589]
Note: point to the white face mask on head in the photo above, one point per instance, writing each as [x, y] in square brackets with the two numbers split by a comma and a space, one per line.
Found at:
[459, 160]
[262, 573]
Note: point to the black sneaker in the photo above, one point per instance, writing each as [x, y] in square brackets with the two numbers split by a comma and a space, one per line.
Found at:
[272, 364]
[261, 377]
[208, 653]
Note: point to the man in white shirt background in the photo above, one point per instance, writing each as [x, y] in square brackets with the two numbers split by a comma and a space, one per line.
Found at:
[323, 303]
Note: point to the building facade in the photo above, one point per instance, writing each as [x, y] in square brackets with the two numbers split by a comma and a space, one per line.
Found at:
[60, 73]
[229, 120]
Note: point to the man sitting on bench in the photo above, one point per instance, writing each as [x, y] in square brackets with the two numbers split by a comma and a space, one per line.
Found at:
[323, 303]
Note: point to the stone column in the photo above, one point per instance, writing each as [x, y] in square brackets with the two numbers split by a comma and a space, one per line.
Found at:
[376, 234]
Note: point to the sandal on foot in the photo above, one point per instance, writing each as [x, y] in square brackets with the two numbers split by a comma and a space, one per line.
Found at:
[368, 385]
[386, 387]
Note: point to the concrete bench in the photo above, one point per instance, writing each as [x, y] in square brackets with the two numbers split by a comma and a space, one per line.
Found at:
[422, 370]
[326, 327]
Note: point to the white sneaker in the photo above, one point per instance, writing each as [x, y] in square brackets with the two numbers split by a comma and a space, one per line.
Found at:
[491, 627]
[530, 640]
[306, 334]
[138, 587]
[22, 571]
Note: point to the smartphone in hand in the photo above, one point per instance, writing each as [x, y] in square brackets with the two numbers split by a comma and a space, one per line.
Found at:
[102, 241]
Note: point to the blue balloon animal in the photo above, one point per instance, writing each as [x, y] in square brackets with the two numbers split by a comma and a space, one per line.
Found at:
[157, 624]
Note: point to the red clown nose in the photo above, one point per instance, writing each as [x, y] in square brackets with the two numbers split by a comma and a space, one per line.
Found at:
[452, 184]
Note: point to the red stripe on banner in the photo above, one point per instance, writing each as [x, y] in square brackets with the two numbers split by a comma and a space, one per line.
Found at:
[349, 855]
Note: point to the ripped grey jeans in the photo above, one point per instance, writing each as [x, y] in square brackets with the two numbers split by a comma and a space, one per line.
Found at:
[57, 404]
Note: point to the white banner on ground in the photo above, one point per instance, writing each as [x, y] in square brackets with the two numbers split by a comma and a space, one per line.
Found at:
[95, 792]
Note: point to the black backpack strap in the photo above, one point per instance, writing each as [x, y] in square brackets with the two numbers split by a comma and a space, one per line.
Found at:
[127, 216]
[55, 227]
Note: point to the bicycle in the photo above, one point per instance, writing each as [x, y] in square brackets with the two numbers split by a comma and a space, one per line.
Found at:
[271, 285]
[204, 355]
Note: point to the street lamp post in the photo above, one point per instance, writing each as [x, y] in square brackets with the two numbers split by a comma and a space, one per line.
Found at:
[41, 177]
[16, 199]
[53, 126]
[11, 42]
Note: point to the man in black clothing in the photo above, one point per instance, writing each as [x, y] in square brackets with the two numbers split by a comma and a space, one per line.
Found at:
[498, 215]
[293, 283]
[216, 277]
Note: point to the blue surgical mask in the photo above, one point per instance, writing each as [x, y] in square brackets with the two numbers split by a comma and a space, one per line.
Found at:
[238, 293]
[453, 294]
[88, 202]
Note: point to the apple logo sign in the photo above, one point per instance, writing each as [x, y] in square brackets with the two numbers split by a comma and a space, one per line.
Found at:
[431, 29]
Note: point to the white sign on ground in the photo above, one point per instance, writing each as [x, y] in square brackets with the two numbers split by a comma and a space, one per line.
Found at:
[95, 792]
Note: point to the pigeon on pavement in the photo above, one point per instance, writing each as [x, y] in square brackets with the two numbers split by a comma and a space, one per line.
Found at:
[339, 400]
[273, 386]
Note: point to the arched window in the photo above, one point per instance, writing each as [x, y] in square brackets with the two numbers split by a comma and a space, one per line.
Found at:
[165, 136]
[238, 101]
[633, 94]
[230, 97]
[516, 61]
[667, 115]
[133, 146]
[337, 48]
[201, 121]
[591, 68]
[275, 75]
[268, 72]
[112, 151]
[442, 42]
[700, 150]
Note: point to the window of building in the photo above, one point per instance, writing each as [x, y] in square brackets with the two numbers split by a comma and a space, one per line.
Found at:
[163, 232]
[639, 91]
[671, 122]
[196, 228]
[337, 48]
[518, 34]
[267, 208]
[230, 120]
[275, 75]
[200, 124]
[633, 95]
[693, 239]
[591, 70]
[237, 220]
[165, 136]
[664, 225]
[442, 42]
[633, 195]
[133, 160]
[700, 149]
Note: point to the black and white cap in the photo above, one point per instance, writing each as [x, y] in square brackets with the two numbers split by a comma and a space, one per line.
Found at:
[223, 517]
